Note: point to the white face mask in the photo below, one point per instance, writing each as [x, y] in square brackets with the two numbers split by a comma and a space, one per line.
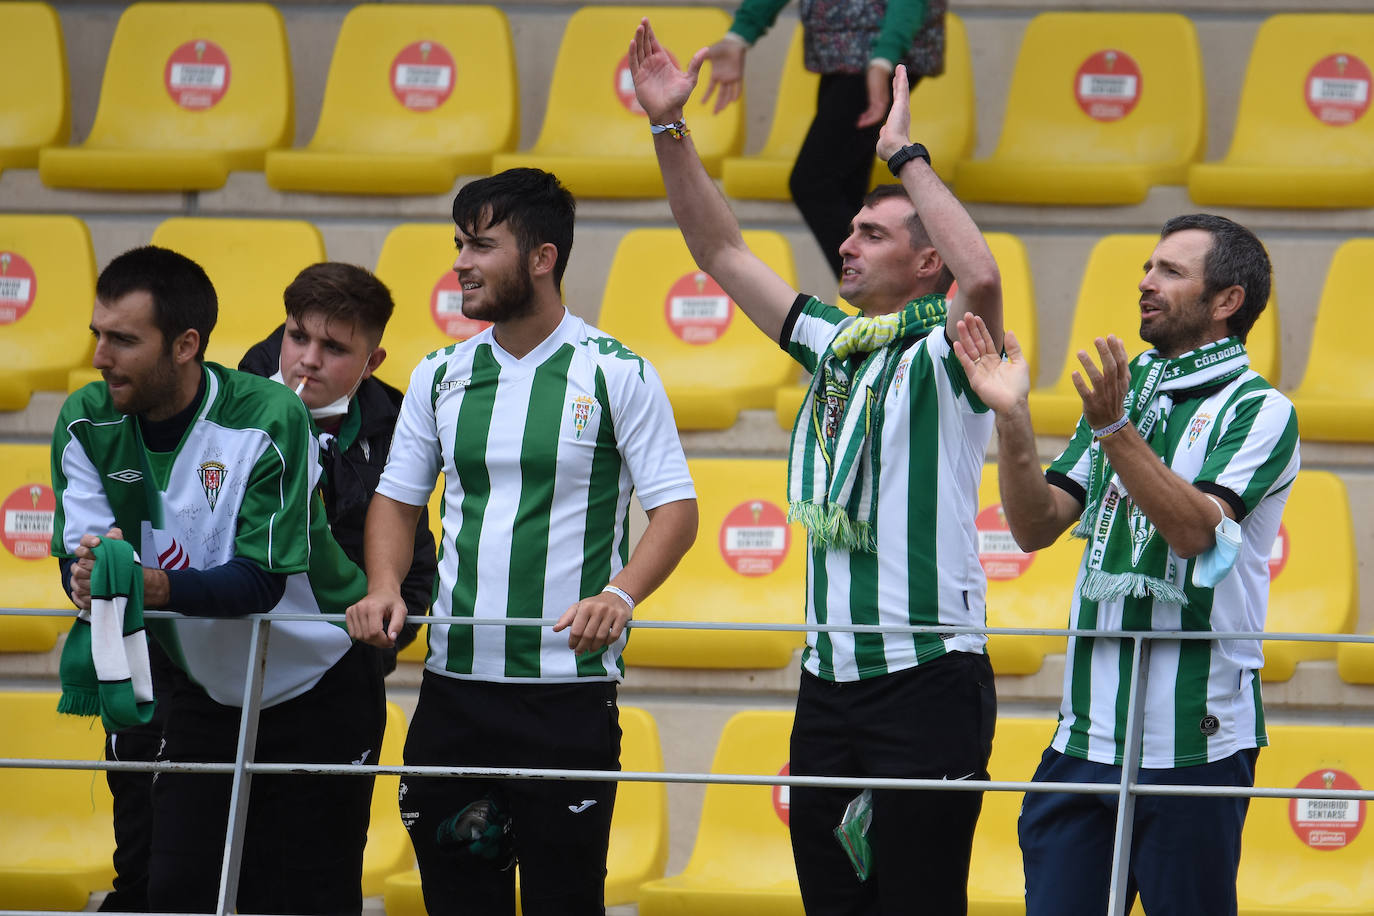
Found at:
[1212, 566]
[336, 408]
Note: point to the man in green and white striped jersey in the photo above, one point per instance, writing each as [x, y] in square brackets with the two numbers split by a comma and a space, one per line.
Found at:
[1176, 476]
[885, 461]
[543, 426]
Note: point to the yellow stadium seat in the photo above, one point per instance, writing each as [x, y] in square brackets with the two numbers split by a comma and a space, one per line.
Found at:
[595, 137]
[388, 850]
[32, 56]
[56, 848]
[996, 879]
[942, 118]
[639, 826]
[741, 864]
[1018, 314]
[713, 361]
[417, 95]
[251, 262]
[1303, 859]
[31, 577]
[418, 650]
[192, 91]
[416, 264]
[1303, 132]
[1109, 303]
[1335, 399]
[1355, 662]
[47, 285]
[1102, 106]
[747, 565]
[1024, 589]
[1312, 572]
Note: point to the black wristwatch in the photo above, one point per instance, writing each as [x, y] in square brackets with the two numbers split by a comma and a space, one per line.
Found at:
[904, 155]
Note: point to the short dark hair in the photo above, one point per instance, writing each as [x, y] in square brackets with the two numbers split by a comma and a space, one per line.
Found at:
[530, 201]
[915, 229]
[1236, 258]
[183, 296]
[340, 292]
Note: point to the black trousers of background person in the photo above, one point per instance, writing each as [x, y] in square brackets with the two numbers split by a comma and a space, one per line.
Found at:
[933, 721]
[561, 828]
[831, 174]
[303, 850]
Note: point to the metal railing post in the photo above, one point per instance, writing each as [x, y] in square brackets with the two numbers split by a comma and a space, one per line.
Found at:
[247, 747]
[1117, 901]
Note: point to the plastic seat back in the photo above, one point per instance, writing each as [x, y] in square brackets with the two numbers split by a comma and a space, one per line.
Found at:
[713, 361]
[996, 882]
[47, 287]
[416, 264]
[416, 95]
[1101, 106]
[388, 851]
[56, 848]
[1109, 303]
[742, 860]
[1303, 128]
[1335, 399]
[1312, 573]
[748, 564]
[594, 136]
[250, 262]
[1308, 856]
[191, 92]
[1024, 589]
[30, 574]
[942, 117]
[639, 827]
[34, 56]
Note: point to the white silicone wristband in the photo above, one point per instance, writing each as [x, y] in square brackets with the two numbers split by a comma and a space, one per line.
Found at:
[1107, 430]
[624, 595]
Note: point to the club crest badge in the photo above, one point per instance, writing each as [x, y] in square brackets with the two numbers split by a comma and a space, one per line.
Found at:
[583, 408]
[212, 474]
[1196, 428]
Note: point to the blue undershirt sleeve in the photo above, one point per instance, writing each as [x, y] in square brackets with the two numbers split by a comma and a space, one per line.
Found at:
[238, 587]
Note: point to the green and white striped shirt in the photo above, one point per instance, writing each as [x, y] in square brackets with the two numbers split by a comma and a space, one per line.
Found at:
[925, 570]
[540, 456]
[1202, 702]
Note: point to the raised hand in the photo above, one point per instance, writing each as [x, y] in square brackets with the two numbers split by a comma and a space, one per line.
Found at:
[727, 72]
[1002, 384]
[1104, 391]
[896, 132]
[879, 96]
[662, 89]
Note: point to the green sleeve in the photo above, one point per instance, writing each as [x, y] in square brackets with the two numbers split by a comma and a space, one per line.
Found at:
[754, 17]
[902, 21]
[274, 518]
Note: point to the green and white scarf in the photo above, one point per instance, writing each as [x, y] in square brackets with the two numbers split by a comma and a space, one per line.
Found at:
[1126, 555]
[104, 668]
[840, 426]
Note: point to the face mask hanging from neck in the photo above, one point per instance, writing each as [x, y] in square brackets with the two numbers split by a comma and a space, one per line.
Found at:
[335, 408]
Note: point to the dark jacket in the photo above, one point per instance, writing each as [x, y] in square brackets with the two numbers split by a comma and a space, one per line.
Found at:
[350, 478]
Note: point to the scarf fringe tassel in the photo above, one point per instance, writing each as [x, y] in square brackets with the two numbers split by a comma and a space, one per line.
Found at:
[832, 527]
[1105, 586]
[78, 703]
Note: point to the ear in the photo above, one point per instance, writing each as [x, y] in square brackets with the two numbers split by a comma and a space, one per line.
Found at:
[186, 346]
[1227, 302]
[928, 262]
[374, 361]
[542, 259]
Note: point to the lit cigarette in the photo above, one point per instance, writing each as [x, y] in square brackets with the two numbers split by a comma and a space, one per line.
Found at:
[300, 388]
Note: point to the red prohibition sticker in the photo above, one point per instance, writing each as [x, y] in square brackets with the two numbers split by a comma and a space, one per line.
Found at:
[1337, 89]
[782, 797]
[197, 75]
[697, 309]
[1278, 554]
[997, 549]
[28, 513]
[422, 75]
[754, 538]
[1107, 85]
[625, 84]
[1327, 823]
[18, 285]
[446, 307]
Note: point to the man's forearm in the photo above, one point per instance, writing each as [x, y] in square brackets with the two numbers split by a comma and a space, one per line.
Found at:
[1033, 512]
[672, 530]
[707, 223]
[955, 235]
[388, 542]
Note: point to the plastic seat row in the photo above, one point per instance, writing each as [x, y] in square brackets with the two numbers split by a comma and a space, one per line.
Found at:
[1101, 107]
[748, 565]
[741, 864]
[56, 847]
[713, 362]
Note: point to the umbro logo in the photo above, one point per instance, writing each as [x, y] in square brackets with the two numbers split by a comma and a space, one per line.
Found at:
[586, 803]
[128, 475]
